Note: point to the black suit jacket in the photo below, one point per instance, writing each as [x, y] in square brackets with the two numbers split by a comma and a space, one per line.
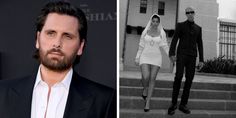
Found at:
[86, 99]
[190, 39]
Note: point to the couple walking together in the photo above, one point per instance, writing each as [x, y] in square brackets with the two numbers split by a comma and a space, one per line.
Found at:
[149, 58]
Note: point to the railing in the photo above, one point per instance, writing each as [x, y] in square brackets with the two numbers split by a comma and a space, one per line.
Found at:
[227, 41]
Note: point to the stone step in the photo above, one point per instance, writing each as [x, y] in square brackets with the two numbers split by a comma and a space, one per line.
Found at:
[210, 97]
[167, 92]
[162, 113]
[168, 84]
[134, 102]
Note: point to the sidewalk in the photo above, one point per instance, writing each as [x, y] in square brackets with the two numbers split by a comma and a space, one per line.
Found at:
[170, 77]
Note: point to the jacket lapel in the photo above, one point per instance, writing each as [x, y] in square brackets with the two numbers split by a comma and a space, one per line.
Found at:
[21, 97]
[78, 103]
[79, 99]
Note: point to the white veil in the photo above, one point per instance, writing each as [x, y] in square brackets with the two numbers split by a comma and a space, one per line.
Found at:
[160, 28]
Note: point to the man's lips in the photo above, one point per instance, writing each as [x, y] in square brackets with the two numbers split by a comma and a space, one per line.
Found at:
[56, 53]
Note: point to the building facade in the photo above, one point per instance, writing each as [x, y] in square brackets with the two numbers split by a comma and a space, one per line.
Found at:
[226, 45]
[134, 15]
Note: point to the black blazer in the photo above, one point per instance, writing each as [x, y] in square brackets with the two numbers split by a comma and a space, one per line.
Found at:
[86, 99]
[190, 39]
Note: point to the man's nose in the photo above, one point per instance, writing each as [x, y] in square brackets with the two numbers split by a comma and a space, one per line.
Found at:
[57, 42]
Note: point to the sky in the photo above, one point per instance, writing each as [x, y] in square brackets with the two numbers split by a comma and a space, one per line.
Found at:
[227, 9]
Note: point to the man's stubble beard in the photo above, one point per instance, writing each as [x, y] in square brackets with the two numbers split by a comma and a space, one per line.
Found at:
[57, 64]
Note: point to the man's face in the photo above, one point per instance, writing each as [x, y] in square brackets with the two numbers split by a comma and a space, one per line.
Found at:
[190, 14]
[59, 42]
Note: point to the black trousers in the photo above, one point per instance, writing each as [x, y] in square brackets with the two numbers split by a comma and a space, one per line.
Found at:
[184, 63]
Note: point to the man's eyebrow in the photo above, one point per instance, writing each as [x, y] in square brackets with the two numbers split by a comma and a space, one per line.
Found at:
[68, 33]
[49, 30]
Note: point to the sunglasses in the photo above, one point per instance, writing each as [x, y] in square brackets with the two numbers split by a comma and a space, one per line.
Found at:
[190, 12]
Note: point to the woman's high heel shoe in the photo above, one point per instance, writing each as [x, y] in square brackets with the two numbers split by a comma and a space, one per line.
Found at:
[144, 97]
[146, 109]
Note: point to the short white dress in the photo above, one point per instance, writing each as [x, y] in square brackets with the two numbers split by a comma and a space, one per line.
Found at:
[150, 51]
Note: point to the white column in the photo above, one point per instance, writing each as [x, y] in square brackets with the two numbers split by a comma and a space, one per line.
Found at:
[122, 25]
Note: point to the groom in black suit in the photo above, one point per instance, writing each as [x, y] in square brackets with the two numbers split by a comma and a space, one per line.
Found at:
[55, 90]
[189, 35]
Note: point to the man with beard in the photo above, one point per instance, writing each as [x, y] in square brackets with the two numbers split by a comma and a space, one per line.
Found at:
[56, 91]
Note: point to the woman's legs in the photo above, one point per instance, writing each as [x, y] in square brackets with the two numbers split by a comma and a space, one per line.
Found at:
[151, 84]
[145, 71]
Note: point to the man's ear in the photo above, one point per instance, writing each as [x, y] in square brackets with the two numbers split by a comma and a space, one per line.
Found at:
[37, 40]
[81, 47]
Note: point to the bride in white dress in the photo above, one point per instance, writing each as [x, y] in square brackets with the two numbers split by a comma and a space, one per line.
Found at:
[149, 56]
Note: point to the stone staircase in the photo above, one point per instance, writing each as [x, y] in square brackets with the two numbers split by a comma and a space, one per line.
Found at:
[207, 100]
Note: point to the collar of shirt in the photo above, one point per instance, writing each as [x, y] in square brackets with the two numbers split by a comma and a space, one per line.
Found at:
[65, 82]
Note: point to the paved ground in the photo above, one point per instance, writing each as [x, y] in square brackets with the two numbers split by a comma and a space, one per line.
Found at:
[170, 77]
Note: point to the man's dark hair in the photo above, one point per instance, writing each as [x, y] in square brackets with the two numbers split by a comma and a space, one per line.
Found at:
[64, 8]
